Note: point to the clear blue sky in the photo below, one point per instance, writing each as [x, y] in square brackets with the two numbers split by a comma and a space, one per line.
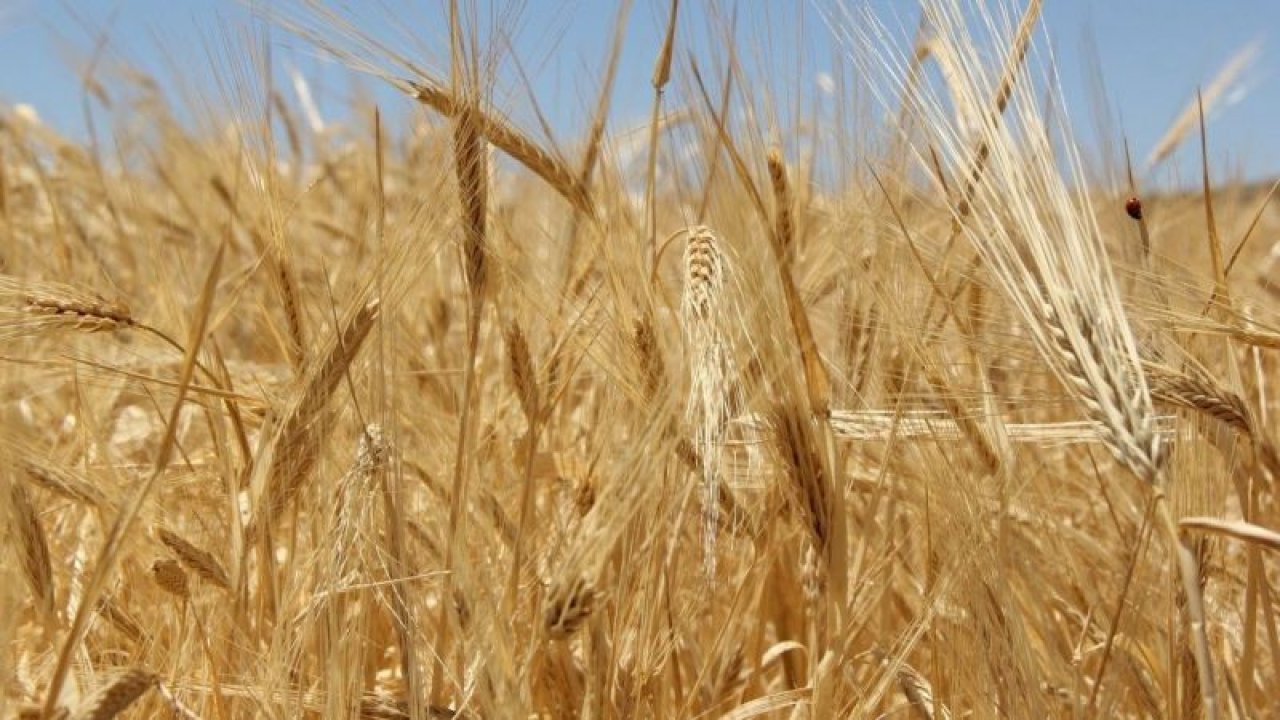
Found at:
[1153, 54]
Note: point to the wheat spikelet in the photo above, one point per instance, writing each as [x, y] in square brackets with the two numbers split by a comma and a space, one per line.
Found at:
[288, 289]
[43, 305]
[352, 564]
[296, 442]
[506, 137]
[469, 161]
[1195, 391]
[704, 310]
[521, 371]
[33, 548]
[121, 620]
[653, 371]
[857, 341]
[1111, 394]
[197, 560]
[1199, 393]
[115, 697]
[568, 606]
[919, 692]
[278, 268]
[784, 230]
[798, 456]
[65, 483]
[170, 577]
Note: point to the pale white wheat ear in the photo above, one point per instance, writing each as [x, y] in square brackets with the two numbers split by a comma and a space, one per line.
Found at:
[1040, 242]
[704, 310]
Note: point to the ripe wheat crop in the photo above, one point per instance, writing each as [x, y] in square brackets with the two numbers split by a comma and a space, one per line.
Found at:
[906, 407]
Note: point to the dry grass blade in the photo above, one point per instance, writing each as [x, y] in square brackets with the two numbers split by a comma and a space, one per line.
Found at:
[1238, 529]
[116, 696]
[179, 710]
[1203, 101]
[197, 560]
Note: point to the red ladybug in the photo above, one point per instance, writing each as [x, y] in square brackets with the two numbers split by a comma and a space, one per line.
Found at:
[1133, 206]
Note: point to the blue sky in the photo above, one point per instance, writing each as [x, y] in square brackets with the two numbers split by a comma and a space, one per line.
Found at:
[1152, 53]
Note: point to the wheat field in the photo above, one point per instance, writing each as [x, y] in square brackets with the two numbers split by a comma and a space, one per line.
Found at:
[439, 419]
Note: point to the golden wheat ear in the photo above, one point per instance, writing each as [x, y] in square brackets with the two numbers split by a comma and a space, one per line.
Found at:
[116, 696]
[42, 306]
[705, 310]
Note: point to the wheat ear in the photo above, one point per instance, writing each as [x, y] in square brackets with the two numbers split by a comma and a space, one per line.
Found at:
[33, 547]
[197, 560]
[116, 696]
[703, 312]
[297, 441]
